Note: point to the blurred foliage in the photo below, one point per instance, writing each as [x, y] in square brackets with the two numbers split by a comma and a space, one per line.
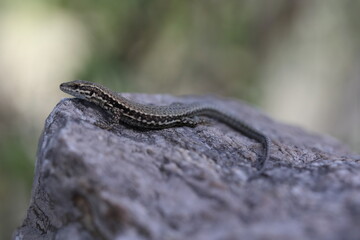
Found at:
[177, 47]
[217, 43]
[15, 164]
[16, 177]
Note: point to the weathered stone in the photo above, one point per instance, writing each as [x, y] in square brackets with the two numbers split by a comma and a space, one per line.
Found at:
[188, 183]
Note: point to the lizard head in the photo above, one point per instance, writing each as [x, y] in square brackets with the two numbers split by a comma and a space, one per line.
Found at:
[78, 88]
[89, 91]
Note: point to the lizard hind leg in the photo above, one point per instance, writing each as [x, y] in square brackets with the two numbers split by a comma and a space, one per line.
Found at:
[194, 121]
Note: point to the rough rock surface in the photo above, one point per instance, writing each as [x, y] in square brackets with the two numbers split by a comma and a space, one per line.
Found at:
[188, 183]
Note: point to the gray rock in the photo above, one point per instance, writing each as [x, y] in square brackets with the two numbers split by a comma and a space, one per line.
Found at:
[188, 183]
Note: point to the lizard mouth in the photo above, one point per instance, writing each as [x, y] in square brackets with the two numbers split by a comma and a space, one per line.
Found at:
[71, 89]
[78, 89]
[67, 90]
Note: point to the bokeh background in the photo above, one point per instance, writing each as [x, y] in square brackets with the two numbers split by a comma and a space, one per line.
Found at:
[298, 61]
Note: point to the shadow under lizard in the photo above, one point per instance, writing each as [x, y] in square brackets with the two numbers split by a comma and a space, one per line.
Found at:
[159, 117]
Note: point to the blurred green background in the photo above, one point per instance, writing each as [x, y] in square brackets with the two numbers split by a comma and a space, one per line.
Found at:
[299, 61]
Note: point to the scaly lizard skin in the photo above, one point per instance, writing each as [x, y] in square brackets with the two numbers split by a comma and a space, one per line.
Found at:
[159, 117]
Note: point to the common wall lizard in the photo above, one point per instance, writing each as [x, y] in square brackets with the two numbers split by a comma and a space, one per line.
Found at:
[159, 117]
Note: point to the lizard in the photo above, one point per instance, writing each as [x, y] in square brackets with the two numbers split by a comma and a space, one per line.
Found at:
[146, 116]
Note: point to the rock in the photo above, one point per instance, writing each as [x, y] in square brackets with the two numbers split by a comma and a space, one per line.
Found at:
[188, 183]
